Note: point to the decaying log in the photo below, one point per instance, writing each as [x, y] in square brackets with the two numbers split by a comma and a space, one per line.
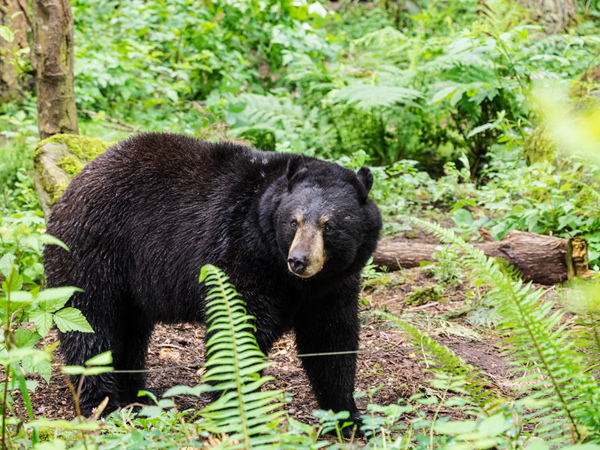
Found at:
[542, 259]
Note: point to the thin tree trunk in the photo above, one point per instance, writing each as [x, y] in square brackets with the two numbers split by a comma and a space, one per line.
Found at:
[12, 83]
[554, 15]
[52, 57]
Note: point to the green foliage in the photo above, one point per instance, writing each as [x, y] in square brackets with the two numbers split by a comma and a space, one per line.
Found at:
[26, 313]
[248, 416]
[448, 269]
[562, 394]
[468, 380]
[544, 199]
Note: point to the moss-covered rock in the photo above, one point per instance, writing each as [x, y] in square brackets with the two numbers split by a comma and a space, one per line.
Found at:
[58, 159]
[539, 147]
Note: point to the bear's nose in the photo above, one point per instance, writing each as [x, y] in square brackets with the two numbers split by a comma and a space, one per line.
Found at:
[297, 262]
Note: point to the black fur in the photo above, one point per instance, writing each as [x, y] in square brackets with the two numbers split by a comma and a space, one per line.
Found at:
[143, 218]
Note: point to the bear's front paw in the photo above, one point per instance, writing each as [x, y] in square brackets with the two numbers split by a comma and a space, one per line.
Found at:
[355, 428]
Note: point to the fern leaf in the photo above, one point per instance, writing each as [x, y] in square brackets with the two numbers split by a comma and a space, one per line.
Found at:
[535, 336]
[243, 413]
[365, 97]
[475, 385]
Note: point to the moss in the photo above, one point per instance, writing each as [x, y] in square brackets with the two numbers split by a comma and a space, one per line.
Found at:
[539, 147]
[426, 294]
[70, 164]
[58, 191]
[83, 147]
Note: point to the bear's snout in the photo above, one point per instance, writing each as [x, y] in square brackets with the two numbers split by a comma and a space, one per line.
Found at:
[307, 253]
[297, 262]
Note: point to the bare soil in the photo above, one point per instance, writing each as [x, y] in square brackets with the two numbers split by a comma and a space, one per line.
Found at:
[386, 358]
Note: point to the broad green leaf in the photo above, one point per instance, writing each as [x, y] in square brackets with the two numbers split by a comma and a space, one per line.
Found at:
[42, 321]
[7, 34]
[462, 217]
[495, 425]
[13, 282]
[100, 360]
[54, 444]
[6, 264]
[443, 94]
[71, 319]
[54, 299]
[26, 338]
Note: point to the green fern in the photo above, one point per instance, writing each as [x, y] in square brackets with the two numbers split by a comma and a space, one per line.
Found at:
[247, 416]
[365, 97]
[475, 385]
[537, 338]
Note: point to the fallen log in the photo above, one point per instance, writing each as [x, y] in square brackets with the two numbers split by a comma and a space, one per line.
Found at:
[541, 259]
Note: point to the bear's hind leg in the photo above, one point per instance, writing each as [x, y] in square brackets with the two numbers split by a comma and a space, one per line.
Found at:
[128, 340]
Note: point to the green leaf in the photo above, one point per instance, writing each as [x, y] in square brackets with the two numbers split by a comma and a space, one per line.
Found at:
[42, 321]
[462, 217]
[481, 128]
[455, 427]
[7, 34]
[43, 369]
[495, 425]
[13, 282]
[366, 97]
[54, 444]
[47, 239]
[443, 94]
[87, 371]
[71, 319]
[26, 338]
[100, 360]
[6, 264]
[196, 391]
[54, 299]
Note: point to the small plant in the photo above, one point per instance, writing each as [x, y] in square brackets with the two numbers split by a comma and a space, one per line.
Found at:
[448, 269]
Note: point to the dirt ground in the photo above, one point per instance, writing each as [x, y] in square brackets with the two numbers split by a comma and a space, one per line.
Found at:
[386, 359]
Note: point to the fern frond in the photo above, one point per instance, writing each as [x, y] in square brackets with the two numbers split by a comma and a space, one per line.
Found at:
[536, 336]
[234, 361]
[475, 385]
[365, 96]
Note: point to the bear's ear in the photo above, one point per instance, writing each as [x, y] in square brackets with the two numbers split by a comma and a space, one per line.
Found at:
[294, 164]
[365, 177]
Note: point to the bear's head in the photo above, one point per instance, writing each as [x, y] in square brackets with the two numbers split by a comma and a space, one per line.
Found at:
[325, 223]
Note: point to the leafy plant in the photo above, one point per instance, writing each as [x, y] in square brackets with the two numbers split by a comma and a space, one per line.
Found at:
[22, 304]
[245, 414]
[564, 397]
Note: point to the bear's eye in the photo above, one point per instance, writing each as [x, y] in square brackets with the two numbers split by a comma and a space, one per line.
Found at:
[327, 228]
[294, 224]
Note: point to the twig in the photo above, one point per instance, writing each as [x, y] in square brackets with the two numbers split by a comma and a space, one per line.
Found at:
[110, 119]
[115, 127]
[25, 14]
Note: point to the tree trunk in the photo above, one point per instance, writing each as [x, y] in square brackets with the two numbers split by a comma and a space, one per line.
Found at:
[52, 58]
[541, 259]
[554, 15]
[12, 83]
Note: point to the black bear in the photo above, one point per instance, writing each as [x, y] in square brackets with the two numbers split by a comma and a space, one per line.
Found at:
[291, 232]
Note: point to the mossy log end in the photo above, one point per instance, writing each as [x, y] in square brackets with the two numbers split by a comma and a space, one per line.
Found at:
[541, 259]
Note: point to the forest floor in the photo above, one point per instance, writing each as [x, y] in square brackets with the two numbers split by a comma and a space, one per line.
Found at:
[386, 358]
